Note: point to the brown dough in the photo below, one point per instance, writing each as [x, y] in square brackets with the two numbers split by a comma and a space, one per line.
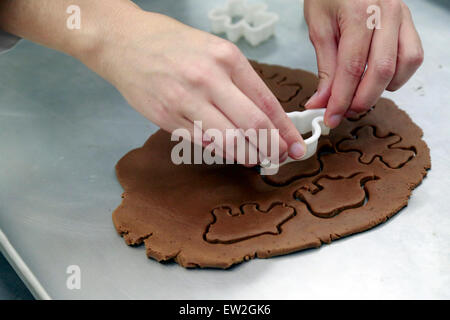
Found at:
[227, 227]
[220, 215]
[349, 192]
[371, 146]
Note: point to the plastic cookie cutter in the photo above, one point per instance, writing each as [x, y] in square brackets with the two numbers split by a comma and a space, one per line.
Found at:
[256, 24]
[305, 121]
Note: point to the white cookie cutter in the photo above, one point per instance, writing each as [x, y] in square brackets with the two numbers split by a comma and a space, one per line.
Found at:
[257, 24]
[305, 121]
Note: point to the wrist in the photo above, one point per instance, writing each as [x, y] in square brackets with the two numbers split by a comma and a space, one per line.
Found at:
[129, 34]
[102, 27]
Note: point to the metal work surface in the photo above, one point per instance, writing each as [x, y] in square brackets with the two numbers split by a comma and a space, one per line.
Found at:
[62, 130]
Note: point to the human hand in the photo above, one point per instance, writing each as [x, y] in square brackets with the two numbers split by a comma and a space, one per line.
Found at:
[175, 75]
[345, 46]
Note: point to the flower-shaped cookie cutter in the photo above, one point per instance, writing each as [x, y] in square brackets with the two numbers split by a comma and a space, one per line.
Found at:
[256, 24]
[305, 121]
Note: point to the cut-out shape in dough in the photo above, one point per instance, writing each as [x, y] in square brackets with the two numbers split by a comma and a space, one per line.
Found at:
[264, 73]
[286, 90]
[284, 82]
[334, 195]
[301, 169]
[251, 222]
[370, 146]
[360, 115]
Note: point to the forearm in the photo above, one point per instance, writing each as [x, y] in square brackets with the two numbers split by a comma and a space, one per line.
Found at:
[45, 22]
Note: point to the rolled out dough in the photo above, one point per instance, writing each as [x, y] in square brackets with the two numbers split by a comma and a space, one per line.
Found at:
[220, 215]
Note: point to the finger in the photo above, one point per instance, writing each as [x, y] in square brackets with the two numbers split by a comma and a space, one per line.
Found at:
[186, 124]
[254, 89]
[245, 114]
[325, 44]
[194, 131]
[197, 122]
[213, 119]
[382, 59]
[410, 52]
[353, 51]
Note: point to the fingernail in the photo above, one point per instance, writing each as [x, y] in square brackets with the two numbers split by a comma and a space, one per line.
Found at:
[334, 121]
[350, 114]
[297, 150]
[309, 100]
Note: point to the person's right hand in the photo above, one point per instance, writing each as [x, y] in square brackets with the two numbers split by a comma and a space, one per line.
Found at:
[175, 75]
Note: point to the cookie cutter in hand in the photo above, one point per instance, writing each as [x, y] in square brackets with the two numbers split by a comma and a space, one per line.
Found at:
[305, 121]
[257, 24]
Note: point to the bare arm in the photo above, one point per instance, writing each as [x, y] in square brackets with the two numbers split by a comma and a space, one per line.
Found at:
[171, 73]
[44, 22]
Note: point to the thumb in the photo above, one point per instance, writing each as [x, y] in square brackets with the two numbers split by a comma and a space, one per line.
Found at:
[326, 48]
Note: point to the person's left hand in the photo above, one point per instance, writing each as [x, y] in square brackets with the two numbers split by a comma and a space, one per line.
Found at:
[345, 45]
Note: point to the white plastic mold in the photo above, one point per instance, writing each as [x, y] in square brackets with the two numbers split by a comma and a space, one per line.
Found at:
[305, 121]
[256, 24]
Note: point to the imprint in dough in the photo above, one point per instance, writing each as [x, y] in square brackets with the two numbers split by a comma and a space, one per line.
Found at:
[369, 145]
[250, 222]
[297, 170]
[286, 90]
[348, 192]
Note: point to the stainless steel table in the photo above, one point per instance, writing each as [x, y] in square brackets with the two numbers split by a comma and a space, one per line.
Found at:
[11, 287]
[62, 129]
